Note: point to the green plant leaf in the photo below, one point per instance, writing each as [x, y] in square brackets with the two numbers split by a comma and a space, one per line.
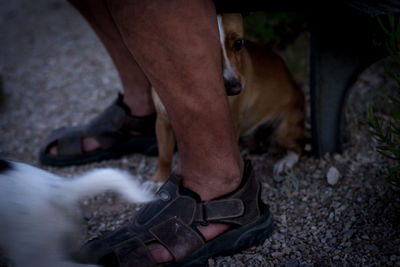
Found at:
[391, 20]
[386, 131]
[386, 31]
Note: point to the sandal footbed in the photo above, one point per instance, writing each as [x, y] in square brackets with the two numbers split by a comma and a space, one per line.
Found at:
[144, 145]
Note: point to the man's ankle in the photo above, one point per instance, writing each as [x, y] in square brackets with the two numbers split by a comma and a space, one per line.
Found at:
[139, 106]
[216, 184]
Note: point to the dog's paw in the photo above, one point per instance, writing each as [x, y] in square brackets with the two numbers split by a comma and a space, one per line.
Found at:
[285, 164]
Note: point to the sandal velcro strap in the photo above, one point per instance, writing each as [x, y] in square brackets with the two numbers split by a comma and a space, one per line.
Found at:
[70, 144]
[110, 120]
[219, 210]
[115, 123]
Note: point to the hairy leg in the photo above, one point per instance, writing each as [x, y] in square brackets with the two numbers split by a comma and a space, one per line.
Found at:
[136, 87]
[137, 93]
[176, 43]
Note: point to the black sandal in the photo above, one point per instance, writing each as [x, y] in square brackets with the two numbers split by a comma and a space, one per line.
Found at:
[112, 129]
[171, 220]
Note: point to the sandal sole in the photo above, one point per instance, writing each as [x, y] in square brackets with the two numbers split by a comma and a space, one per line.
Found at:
[231, 242]
[144, 145]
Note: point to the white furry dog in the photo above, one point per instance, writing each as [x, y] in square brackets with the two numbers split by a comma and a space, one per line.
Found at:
[39, 222]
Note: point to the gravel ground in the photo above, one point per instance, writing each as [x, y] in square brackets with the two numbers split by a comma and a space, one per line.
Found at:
[56, 73]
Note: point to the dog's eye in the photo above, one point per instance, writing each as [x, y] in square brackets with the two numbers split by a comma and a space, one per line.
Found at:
[238, 44]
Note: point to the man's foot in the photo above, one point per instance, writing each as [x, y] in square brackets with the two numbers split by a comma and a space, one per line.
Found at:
[180, 229]
[161, 255]
[114, 133]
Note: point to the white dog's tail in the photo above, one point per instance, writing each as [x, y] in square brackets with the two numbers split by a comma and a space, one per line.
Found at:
[101, 180]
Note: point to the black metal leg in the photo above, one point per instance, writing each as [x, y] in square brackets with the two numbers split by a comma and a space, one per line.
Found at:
[337, 58]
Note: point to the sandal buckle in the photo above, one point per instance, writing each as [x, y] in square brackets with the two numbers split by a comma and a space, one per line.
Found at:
[202, 218]
[204, 223]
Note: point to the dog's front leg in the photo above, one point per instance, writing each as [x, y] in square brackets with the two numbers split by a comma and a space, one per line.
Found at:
[237, 115]
[166, 146]
[290, 135]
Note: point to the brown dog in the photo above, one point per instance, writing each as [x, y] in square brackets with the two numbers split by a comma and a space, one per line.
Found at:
[261, 91]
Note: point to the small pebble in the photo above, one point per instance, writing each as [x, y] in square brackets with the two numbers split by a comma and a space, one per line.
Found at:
[276, 254]
[278, 236]
[332, 176]
[276, 246]
[287, 250]
[365, 237]
[335, 258]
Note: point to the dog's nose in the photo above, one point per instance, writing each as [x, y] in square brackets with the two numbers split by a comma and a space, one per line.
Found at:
[233, 87]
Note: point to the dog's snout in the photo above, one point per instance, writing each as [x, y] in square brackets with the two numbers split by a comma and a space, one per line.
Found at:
[233, 87]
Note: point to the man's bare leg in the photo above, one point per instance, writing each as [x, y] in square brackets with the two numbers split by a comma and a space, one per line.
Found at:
[133, 80]
[176, 43]
[136, 87]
